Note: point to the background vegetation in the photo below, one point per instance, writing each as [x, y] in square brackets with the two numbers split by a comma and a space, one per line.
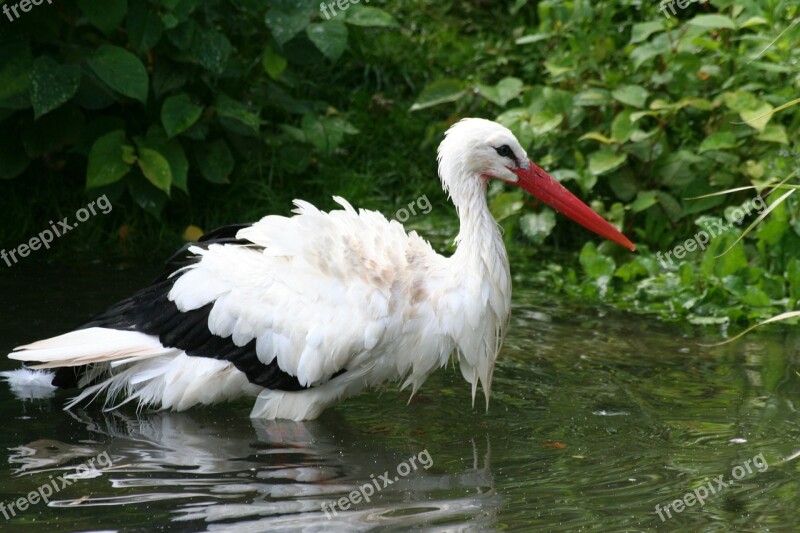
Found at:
[192, 114]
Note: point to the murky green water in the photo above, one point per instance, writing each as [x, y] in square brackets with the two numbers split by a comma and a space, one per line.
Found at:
[597, 417]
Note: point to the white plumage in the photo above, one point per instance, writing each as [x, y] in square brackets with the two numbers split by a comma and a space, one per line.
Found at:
[317, 306]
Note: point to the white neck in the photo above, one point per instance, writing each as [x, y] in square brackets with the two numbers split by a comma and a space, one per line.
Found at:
[479, 288]
[479, 239]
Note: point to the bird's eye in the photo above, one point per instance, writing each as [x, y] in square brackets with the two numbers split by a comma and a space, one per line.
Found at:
[505, 151]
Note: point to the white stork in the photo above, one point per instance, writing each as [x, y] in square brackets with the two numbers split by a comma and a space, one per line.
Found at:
[304, 311]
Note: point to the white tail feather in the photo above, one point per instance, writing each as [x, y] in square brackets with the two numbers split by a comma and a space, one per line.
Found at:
[91, 345]
[134, 366]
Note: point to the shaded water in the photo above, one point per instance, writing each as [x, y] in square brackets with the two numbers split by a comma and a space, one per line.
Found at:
[596, 418]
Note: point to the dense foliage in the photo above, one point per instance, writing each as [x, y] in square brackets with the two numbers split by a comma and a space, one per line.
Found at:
[188, 112]
[653, 117]
[150, 97]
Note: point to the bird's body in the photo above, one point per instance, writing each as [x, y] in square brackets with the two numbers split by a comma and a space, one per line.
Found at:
[304, 311]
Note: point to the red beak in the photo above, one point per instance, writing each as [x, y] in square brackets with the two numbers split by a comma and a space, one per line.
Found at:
[541, 185]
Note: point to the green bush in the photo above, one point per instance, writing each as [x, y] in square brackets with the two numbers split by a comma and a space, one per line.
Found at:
[149, 97]
[649, 111]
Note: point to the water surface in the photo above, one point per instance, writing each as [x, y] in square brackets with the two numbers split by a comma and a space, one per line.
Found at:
[596, 418]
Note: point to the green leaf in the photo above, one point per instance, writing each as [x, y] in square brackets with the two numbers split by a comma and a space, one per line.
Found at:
[173, 151]
[712, 22]
[700, 103]
[755, 297]
[212, 50]
[585, 179]
[506, 89]
[718, 141]
[591, 97]
[52, 85]
[633, 95]
[110, 159]
[144, 26]
[274, 64]
[772, 286]
[105, 15]
[178, 164]
[594, 264]
[644, 151]
[639, 135]
[533, 38]
[741, 100]
[120, 70]
[155, 167]
[753, 21]
[179, 113]
[329, 37]
[754, 169]
[674, 170]
[438, 92]
[215, 162]
[286, 21]
[670, 205]
[557, 68]
[184, 36]
[644, 200]
[595, 136]
[643, 30]
[757, 117]
[538, 226]
[656, 47]
[325, 133]
[237, 117]
[545, 121]
[622, 127]
[605, 160]
[632, 270]
[774, 133]
[369, 16]
[506, 204]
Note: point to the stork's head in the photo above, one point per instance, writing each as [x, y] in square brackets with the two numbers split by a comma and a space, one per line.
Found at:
[476, 150]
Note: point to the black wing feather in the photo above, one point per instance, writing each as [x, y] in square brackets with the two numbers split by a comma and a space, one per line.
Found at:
[150, 311]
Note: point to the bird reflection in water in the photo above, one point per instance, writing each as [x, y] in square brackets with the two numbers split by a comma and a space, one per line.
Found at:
[256, 475]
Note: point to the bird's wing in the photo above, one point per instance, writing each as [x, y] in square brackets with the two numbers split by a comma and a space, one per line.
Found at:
[291, 301]
[312, 291]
